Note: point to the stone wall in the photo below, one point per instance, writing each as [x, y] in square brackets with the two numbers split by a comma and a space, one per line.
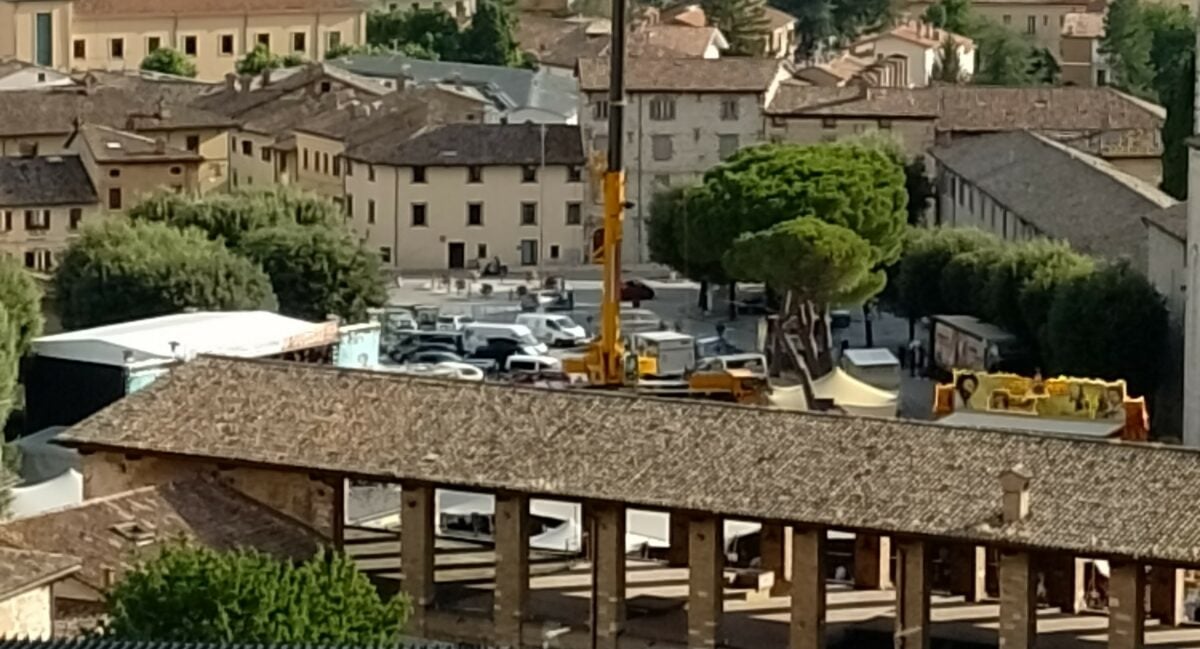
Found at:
[28, 615]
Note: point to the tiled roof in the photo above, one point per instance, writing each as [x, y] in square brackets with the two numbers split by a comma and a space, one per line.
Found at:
[671, 41]
[212, 514]
[403, 110]
[1172, 220]
[918, 32]
[112, 145]
[686, 14]
[128, 8]
[53, 111]
[1083, 25]
[290, 84]
[476, 144]
[21, 570]
[44, 180]
[852, 101]
[777, 18]
[889, 475]
[559, 42]
[1065, 193]
[730, 74]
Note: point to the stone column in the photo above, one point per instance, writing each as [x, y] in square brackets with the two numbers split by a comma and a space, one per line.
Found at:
[775, 548]
[808, 588]
[1126, 605]
[913, 581]
[706, 581]
[1018, 601]
[608, 573]
[511, 597]
[1063, 579]
[872, 561]
[417, 552]
[968, 571]
[677, 552]
[1166, 595]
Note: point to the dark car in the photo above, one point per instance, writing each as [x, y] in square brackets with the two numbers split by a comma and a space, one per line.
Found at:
[433, 357]
[408, 355]
[499, 349]
[635, 290]
[410, 341]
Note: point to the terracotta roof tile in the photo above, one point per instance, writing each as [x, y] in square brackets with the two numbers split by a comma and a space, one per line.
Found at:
[212, 514]
[733, 74]
[43, 180]
[53, 111]
[21, 570]
[474, 144]
[890, 475]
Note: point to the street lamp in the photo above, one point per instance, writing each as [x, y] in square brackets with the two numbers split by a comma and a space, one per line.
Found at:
[542, 201]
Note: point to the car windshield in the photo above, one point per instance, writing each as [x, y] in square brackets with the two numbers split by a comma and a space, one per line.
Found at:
[527, 339]
[563, 322]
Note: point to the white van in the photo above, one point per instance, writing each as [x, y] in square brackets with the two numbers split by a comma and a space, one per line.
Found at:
[522, 363]
[553, 329]
[452, 321]
[476, 335]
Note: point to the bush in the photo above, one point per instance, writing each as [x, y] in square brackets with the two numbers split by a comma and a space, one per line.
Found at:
[228, 217]
[169, 61]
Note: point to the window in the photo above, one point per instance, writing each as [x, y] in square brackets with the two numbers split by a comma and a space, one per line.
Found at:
[662, 181]
[885, 124]
[662, 147]
[225, 44]
[1101, 77]
[385, 255]
[370, 210]
[333, 40]
[460, 9]
[1007, 19]
[114, 173]
[1062, 20]
[39, 259]
[729, 109]
[247, 147]
[727, 145]
[554, 251]
[350, 205]
[37, 220]
[8, 220]
[1031, 24]
[600, 109]
[193, 143]
[153, 43]
[574, 213]
[337, 165]
[76, 217]
[528, 213]
[265, 154]
[662, 109]
[79, 48]
[114, 198]
[474, 174]
[175, 171]
[370, 173]
[574, 174]
[299, 42]
[828, 122]
[419, 219]
[116, 48]
[326, 87]
[325, 162]
[264, 40]
[474, 213]
[529, 174]
[481, 251]
[418, 175]
[190, 46]
[44, 39]
[304, 158]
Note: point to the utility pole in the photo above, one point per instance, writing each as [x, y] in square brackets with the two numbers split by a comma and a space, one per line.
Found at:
[541, 210]
[1191, 310]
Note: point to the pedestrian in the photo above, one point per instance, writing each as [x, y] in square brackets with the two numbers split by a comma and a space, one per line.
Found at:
[721, 331]
[914, 349]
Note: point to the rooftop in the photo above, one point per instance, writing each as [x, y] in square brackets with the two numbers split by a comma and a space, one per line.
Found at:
[475, 144]
[23, 570]
[560, 42]
[128, 8]
[108, 533]
[231, 333]
[44, 180]
[108, 144]
[54, 111]
[264, 92]
[731, 74]
[402, 110]
[1027, 173]
[918, 32]
[1107, 499]
[1172, 220]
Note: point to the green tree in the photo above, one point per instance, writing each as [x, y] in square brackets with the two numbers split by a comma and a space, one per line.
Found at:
[1126, 45]
[671, 244]
[10, 470]
[192, 594]
[1178, 127]
[491, 39]
[1005, 57]
[951, 15]
[421, 33]
[917, 278]
[948, 67]
[228, 217]
[814, 24]
[261, 58]
[169, 61]
[317, 271]
[743, 22]
[118, 271]
[1109, 324]
[853, 17]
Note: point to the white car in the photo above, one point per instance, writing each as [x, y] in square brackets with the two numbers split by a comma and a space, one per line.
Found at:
[453, 322]
[476, 335]
[554, 329]
[524, 363]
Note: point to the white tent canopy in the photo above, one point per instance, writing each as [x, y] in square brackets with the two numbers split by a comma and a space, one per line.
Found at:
[855, 396]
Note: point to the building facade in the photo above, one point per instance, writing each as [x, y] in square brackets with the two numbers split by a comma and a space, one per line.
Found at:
[1041, 20]
[108, 35]
[1080, 60]
[460, 195]
[920, 45]
[43, 203]
[126, 167]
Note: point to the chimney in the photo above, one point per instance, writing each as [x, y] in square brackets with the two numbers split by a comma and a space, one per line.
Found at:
[89, 83]
[160, 145]
[1015, 502]
[246, 79]
[361, 110]
[231, 82]
[266, 76]
[457, 79]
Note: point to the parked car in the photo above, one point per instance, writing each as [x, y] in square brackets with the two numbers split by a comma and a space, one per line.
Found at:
[476, 333]
[410, 355]
[635, 290]
[500, 349]
[535, 364]
[433, 357]
[553, 329]
[453, 321]
[409, 341]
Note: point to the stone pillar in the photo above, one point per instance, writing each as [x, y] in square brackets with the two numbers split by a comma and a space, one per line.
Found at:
[1126, 605]
[872, 561]
[511, 597]
[706, 581]
[1018, 601]
[1063, 579]
[775, 548]
[608, 573]
[968, 571]
[808, 588]
[1166, 595]
[913, 581]
[417, 552]
[677, 553]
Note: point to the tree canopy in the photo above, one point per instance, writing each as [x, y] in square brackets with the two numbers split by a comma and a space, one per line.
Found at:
[489, 39]
[228, 217]
[193, 594]
[261, 58]
[1126, 46]
[118, 271]
[743, 22]
[317, 271]
[169, 61]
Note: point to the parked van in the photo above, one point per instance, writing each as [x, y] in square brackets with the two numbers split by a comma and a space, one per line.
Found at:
[476, 334]
[554, 329]
[453, 321]
[522, 363]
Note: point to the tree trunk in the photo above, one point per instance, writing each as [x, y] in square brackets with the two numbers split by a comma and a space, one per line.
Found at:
[868, 326]
[702, 301]
[733, 300]
[822, 340]
[912, 328]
